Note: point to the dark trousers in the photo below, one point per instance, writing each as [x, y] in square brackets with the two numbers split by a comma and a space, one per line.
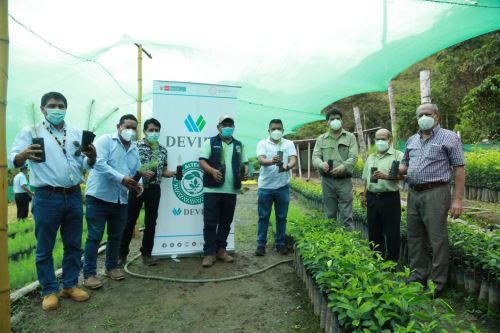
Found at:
[22, 204]
[218, 212]
[384, 218]
[151, 200]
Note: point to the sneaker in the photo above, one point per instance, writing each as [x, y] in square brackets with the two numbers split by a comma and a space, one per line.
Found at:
[122, 261]
[115, 274]
[208, 261]
[76, 294]
[149, 261]
[50, 302]
[281, 249]
[223, 256]
[261, 251]
[92, 282]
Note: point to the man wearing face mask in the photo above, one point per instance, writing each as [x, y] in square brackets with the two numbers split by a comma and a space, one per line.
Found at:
[431, 158]
[335, 155]
[222, 158]
[106, 198]
[381, 196]
[277, 156]
[154, 159]
[57, 204]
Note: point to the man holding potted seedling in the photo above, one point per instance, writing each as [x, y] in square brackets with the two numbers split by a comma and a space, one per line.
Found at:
[335, 155]
[106, 198]
[432, 157]
[277, 156]
[222, 158]
[381, 196]
[57, 166]
[153, 169]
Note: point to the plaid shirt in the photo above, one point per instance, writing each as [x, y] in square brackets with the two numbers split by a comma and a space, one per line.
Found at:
[146, 154]
[432, 160]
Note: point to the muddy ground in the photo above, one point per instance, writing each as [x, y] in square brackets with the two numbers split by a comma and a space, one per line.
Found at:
[274, 301]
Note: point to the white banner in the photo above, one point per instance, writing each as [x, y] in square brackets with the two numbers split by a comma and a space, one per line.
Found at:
[188, 113]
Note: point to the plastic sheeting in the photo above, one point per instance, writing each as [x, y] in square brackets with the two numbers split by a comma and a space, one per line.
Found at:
[291, 58]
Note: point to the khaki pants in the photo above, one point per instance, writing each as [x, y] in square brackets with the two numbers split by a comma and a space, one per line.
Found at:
[337, 198]
[428, 231]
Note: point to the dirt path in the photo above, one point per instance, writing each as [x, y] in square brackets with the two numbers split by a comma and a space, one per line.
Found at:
[273, 301]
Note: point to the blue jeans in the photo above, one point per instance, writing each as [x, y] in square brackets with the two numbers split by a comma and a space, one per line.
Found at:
[98, 213]
[52, 211]
[281, 198]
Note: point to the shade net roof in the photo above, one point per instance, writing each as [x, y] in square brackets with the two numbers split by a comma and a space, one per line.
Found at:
[291, 58]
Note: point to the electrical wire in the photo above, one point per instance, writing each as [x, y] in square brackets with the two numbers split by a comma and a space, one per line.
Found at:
[448, 2]
[180, 280]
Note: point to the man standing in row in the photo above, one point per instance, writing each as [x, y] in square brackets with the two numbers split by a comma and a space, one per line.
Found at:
[335, 155]
[432, 157]
[154, 168]
[381, 196]
[277, 156]
[22, 193]
[57, 204]
[222, 158]
[106, 198]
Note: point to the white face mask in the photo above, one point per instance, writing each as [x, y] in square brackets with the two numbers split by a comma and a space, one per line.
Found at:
[425, 122]
[276, 134]
[336, 124]
[128, 134]
[382, 145]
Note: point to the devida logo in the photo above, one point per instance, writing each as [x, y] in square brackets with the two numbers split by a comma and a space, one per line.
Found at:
[193, 126]
[176, 211]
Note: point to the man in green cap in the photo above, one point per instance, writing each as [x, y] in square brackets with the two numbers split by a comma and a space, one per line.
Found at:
[335, 155]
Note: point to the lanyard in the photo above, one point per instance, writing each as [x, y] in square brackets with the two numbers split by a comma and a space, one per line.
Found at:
[61, 144]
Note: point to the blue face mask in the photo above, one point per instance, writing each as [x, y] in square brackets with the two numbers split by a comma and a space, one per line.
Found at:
[152, 136]
[55, 116]
[227, 132]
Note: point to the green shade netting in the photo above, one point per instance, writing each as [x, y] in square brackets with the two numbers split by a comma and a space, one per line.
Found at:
[291, 58]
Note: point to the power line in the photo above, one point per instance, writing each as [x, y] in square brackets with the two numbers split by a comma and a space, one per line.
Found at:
[75, 56]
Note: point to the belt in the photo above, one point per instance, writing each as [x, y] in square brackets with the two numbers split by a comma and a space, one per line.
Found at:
[328, 175]
[427, 186]
[63, 190]
[381, 194]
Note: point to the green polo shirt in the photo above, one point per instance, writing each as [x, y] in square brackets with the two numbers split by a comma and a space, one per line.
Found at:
[228, 186]
[342, 150]
[383, 163]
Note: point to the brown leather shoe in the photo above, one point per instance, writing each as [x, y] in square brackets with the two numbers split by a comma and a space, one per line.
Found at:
[50, 302]
[223, 256]
[208, 261]
[92, 282]
[115, 274]
[76, 294]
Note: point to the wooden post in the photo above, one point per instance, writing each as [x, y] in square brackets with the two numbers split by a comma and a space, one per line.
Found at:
[359, 130]
[392, 109]
[309, 160]
[298, 160]
[4, 267]
[425, 86]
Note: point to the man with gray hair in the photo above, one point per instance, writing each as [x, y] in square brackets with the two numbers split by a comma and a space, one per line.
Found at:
[381, 196]
[431, 158]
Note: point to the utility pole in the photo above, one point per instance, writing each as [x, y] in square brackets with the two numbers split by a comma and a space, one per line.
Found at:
[4, 266]
[140, 50]
[392, 109]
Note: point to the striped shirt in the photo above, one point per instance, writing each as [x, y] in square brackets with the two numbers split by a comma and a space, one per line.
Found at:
[432, 160]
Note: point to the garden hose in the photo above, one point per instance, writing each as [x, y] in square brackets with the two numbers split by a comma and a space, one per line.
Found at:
[231, 278]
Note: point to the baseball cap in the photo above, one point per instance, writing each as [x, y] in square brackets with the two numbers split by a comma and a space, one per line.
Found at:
[222, 118]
